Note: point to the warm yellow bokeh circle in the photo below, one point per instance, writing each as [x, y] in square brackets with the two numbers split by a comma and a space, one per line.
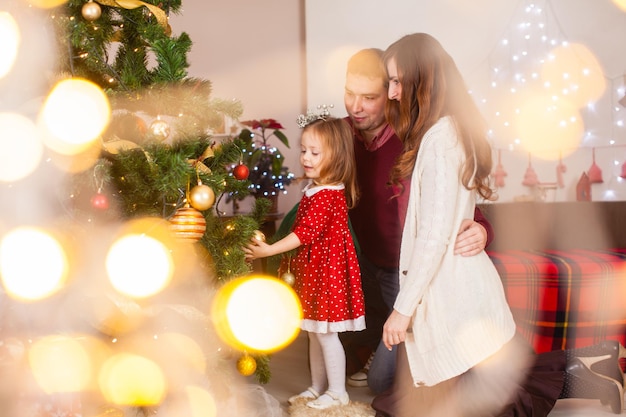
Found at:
[74, 115]
[46, 4]
[574, 73]
[11, 39]
[28, 278]
[127, 379]
[257, 314]
[621, 4]
[549, 127]
[21, 148]
[60, 364]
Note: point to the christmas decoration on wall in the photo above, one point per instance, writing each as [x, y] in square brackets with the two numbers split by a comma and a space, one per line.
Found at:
[530, 176]
[560, 170]
[499, 173]
[594, 173]
[583, 188]
[548, 95]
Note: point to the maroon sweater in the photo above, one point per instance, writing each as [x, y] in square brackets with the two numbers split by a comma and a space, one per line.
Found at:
[378, 219]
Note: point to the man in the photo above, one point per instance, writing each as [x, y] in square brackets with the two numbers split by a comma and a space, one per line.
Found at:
[377, 220]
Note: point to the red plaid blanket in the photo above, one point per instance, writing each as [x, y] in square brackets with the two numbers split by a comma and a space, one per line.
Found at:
[565, 299]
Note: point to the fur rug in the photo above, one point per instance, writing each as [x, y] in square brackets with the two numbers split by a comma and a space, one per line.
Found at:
[352, 409]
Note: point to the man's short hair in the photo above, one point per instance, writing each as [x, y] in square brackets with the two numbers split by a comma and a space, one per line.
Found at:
[368, 62]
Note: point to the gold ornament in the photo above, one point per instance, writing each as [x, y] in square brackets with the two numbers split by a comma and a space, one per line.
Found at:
[246, 365]
[289, 278]
[91, 11]
[201, 197]
[159, 129]
[258, 235]
[188, 224]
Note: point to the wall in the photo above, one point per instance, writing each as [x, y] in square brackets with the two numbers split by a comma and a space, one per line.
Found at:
[471, 32]
[252, 51]
[281, 56]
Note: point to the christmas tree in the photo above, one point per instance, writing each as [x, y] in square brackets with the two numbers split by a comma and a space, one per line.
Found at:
[153, 180]
[158, 154]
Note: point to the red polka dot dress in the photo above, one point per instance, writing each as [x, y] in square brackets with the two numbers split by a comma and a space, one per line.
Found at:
[328, 277]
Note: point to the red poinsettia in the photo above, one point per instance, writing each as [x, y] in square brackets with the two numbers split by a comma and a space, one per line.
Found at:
[263, 124]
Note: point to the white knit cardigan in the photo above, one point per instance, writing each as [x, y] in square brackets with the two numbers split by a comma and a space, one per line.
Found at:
[459, 312]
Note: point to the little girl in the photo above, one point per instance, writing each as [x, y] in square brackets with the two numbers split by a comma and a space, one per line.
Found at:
[328, 277]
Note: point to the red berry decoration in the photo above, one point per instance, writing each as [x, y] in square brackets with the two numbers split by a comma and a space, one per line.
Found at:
[100, 201]
[241, 172]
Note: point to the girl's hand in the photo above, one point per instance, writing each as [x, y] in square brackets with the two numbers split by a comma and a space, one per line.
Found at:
[394, 330]
[256, 249]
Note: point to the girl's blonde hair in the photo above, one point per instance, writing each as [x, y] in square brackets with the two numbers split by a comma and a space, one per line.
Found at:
[338, 165]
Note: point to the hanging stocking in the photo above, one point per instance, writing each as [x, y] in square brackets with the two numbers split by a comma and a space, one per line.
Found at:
[560, 170]
[500, 173]
[595, 173]
[530, 177]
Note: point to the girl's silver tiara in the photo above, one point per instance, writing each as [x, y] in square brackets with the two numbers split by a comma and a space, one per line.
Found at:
[323, 113]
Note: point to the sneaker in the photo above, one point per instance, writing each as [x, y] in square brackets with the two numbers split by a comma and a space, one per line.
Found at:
[359, 379]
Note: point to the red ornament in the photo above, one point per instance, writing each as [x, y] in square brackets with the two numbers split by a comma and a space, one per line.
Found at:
[241, 172]
[100, 201]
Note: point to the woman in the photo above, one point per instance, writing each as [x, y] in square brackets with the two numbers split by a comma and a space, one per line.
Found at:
[459, 354]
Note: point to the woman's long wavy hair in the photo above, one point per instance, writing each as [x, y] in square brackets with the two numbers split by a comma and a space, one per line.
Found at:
[338, 165]
[432, 87]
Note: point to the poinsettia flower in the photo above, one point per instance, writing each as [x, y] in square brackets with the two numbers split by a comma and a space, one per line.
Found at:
[263, 124]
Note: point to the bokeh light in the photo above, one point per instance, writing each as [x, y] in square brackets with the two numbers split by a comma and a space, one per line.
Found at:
[46, 4]
[573, 72]
[183, 350]
[60, 364]
[621, 4]
[10, 35]
[73, 116]
[257, 313]
[21, 148]
[33, 264]
[549, 127]
[201, 402]
[139, 265]
[127, 379]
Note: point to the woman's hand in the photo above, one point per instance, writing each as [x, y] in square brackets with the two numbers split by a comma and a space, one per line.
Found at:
[394, 330]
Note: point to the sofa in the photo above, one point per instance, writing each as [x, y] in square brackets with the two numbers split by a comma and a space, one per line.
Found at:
[563, 266]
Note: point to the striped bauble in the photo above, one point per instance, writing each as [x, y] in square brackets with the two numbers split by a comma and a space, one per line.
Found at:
[187, 223]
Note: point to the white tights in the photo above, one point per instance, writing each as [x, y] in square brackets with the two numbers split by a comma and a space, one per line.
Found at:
[328, 362]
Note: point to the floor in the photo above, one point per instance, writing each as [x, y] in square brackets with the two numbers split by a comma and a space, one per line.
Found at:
[290, 375]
